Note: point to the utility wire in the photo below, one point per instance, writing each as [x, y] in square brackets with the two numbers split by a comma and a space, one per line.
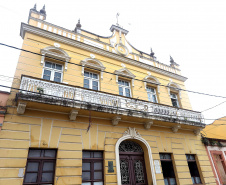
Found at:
[156, 114]
[214, 106]
[206, 94]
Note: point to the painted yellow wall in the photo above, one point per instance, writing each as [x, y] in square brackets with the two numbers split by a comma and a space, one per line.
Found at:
[42, 128]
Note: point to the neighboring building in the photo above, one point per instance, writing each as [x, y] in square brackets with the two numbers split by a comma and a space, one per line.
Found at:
[94, 110]
[213, 136]
[3, 101]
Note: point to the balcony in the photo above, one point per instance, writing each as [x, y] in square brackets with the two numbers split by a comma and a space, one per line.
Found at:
[42, 91]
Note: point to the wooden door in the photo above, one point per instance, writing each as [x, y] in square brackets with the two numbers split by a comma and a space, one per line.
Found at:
[132, 167]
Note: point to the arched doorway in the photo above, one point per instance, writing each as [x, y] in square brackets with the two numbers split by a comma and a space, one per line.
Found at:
[132, 165]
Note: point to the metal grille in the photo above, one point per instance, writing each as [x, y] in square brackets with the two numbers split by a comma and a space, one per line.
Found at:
[124, 167]
[139, 171]
[129, 146]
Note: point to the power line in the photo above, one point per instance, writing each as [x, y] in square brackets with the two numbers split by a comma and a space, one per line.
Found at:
[213, 106]
[201, 93]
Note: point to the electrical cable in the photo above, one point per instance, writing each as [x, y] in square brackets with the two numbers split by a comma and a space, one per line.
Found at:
[218, 96]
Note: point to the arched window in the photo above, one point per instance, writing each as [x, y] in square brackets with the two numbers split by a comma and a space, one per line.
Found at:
[124, 78]
[151, 84]
[175, 94]
[54, 60]
[91, 68]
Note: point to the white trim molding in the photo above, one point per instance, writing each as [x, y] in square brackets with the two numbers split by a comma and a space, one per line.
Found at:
[124, 72]
[152, 80]
[174, 86]
[57, 53]
[26, 28]
[131, 133]
[93, 64]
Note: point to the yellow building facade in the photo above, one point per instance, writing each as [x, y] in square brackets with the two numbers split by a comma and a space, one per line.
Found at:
[94, 110]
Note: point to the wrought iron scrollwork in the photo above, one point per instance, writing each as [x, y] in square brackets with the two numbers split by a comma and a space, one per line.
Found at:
[129, 146]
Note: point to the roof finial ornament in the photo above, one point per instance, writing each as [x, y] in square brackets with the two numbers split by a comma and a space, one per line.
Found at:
[117, 15]
[172, 61]
[34, 8]
[78, 25]
[43, 10]
[152, 53]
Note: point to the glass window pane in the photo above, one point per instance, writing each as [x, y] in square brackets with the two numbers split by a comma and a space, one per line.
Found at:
[86, 154]
[98, 154]
[149, 97]
[166, 182]
[34, 153]
[50, 153]
[85, 166]
[48, 166]
[127, 92]
[193, 180]
[57, 77]
[97, 175]
[46, 74]
[47, 177]
[86, 73]
[120, 91]
[85, 175]
[48, 64]
[98, 183]
[86, 183]
[95, 85]
[32, 166]
[172, 181]
[98, 166]
[119, 82]
[86, 83]
[59, 67]
[31, 177]
[126, 83]
[154, 99]
[95, 76]
[198, 180]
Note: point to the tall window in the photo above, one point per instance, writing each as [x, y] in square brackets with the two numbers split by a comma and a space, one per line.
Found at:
[40, 168]
[193, 169]
[92, 168]
[124, 88]
[53, 72]
[152, 94]
[174, 99]
[167, 169]
[91, 80]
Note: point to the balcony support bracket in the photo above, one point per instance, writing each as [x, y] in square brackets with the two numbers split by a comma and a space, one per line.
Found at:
[175, 128]
[115, 120]
[21, 108]
[73, 114]
[197, 131]
[147, 125]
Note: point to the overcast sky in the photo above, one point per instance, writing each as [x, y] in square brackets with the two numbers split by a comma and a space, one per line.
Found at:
[193, 32]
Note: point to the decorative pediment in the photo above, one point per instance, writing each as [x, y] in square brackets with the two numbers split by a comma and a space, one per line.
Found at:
[124, 72]
[55, 53]
[174, 86]
[92, 63]
[152, 80]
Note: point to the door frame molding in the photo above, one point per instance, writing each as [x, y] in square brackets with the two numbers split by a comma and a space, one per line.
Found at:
[131, 133]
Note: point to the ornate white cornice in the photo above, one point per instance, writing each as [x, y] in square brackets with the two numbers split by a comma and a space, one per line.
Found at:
[43, 33]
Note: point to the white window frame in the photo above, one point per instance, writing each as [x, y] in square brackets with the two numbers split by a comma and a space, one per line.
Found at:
[150, 94]
[124, 88]
[91, 80]
[52, 71]
[171, 97]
